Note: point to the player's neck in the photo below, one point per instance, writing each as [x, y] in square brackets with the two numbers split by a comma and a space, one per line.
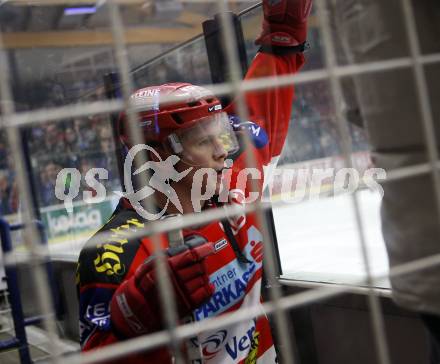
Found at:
[184, 195]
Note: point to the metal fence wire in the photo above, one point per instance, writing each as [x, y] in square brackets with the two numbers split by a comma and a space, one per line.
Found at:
[278, 305]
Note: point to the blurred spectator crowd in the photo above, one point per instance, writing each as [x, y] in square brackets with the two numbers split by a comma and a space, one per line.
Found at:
[313, 131]
[8, 184]
[81, 143]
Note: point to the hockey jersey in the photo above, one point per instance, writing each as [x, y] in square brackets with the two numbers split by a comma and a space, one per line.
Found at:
[104, 265]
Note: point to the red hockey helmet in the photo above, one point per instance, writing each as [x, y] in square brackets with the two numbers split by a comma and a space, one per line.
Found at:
[191, 109]
[159, 119]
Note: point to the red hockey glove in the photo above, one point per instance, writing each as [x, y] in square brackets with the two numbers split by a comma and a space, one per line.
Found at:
[285, 22]
[136, 308]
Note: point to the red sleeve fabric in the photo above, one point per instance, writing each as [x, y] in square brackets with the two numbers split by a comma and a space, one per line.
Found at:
[272, 108]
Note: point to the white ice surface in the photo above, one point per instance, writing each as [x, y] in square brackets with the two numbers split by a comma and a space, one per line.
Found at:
[319, 240]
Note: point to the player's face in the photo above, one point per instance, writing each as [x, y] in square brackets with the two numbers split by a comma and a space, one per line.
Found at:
[205, 148]
[208, 142]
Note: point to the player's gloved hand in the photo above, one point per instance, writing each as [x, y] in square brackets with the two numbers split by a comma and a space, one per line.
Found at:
[285, 22]
[136, 308]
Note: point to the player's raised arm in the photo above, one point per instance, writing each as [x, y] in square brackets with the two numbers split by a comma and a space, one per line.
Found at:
[282, 41]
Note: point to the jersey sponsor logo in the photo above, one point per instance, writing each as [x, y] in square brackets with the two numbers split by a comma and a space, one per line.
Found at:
[252, 356]
[94, 311]
[237, 197]
[257, 251]
[98, 313]
[228, 292]
[213, 344]
[219, 245]
[245, 343]
[232, 279]
[95, 306]
[108, 259]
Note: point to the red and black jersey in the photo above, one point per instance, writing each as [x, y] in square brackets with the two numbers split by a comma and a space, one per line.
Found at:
[104, 264]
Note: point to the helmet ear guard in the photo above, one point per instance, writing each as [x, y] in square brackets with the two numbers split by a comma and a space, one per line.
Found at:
[175, 144]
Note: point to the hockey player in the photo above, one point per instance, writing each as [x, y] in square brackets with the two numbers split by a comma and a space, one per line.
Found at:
[219, 268]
